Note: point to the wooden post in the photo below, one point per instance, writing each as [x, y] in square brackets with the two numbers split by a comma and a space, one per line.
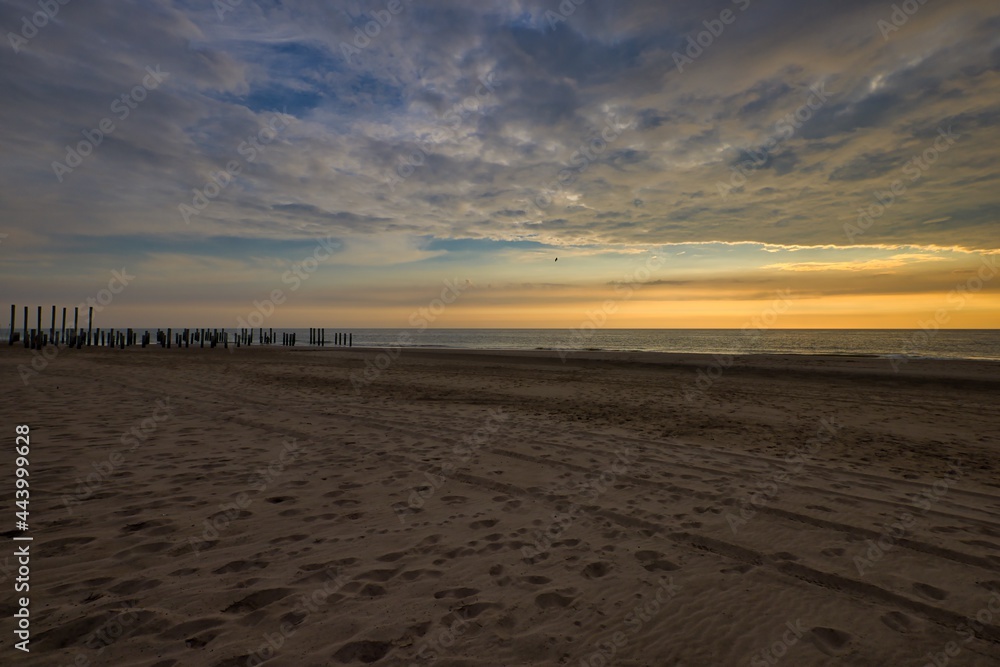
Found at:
[90, 324]
[52, 325]
[350, 340]
[13, 316]
[63, 335]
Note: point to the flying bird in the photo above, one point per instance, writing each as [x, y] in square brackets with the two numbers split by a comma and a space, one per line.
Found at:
[557, 259]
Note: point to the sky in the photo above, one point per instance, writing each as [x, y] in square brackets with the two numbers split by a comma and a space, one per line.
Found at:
[353, 163]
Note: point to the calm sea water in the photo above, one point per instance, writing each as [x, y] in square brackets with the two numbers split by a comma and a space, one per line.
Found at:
[947, 344]
[944, 344]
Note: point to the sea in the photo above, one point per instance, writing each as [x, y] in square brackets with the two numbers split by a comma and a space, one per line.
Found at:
[934, 344]
[943, 344]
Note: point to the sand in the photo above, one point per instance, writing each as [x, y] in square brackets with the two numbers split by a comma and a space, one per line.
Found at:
[205, 508]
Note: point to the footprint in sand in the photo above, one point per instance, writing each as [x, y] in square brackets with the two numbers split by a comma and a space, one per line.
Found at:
[475, 609]
[818, 508]
[456, 593]
[829, 640]
[737, 569]
[240, 566]
[371, 591]
[362, 651]
[653, 560]
[257, 600]
[561, 598]
[596, 570]
[784, 555]
[930, 592]
[378, 575]
[200, 641]
[898, 621]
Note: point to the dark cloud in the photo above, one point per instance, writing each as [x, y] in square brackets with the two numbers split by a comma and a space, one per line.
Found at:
[456, 117]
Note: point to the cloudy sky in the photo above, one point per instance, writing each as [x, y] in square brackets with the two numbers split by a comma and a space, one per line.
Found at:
[688, 160]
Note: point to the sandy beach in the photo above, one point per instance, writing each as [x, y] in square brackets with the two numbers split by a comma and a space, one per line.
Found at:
[308, 508]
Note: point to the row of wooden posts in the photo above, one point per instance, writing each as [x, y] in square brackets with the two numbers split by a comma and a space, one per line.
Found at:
[37, 338]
